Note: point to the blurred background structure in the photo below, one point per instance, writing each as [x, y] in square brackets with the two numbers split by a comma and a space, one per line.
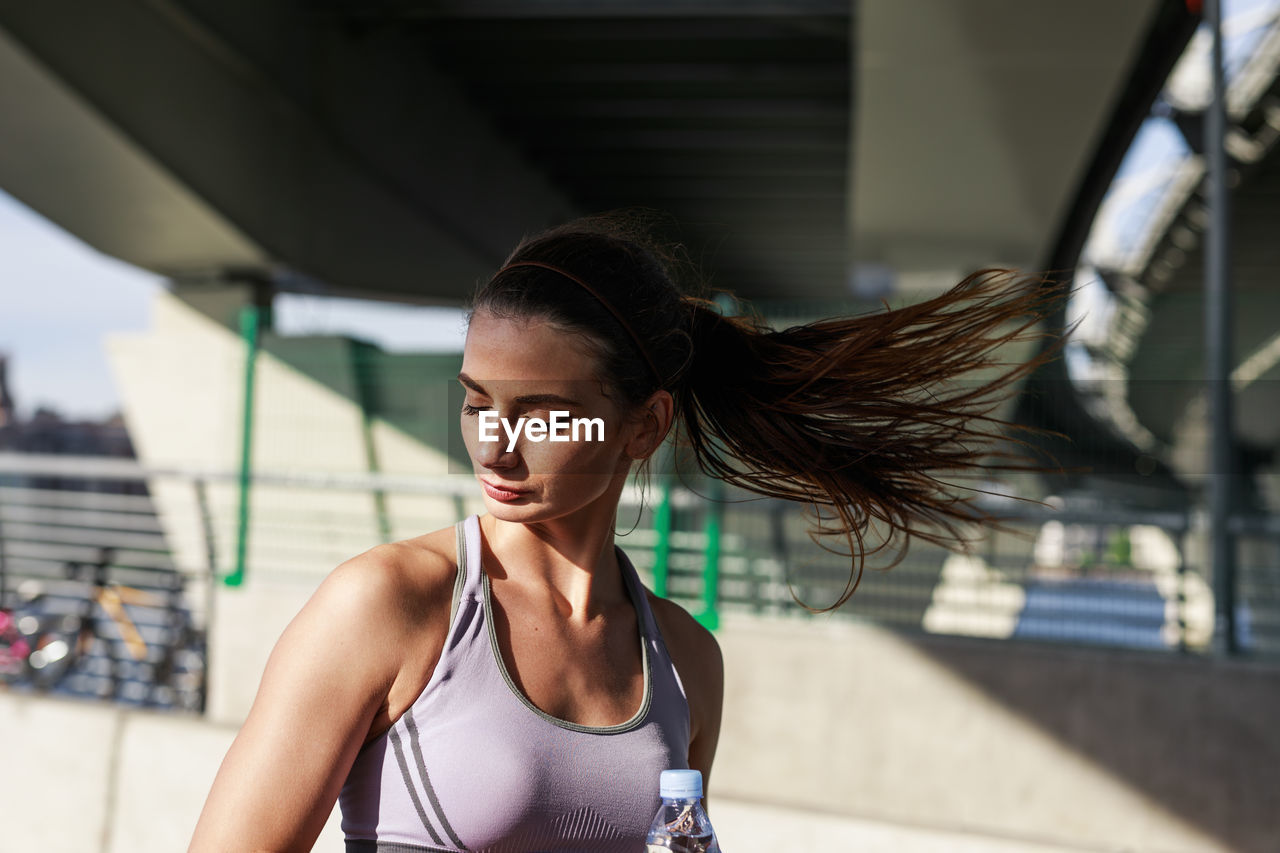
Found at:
[313, 190]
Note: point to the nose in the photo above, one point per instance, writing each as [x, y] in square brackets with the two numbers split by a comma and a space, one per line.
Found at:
[494, 454]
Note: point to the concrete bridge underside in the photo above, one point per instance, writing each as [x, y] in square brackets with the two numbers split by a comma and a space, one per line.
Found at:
[808, 152]
[398, 149]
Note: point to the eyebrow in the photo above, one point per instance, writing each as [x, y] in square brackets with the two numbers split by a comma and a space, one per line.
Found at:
[524, 399]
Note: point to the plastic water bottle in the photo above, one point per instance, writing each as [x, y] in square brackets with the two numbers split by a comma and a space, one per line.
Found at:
[681, 824]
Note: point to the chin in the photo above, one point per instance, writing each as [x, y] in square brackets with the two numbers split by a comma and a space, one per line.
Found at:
[531, 511]
[521, 511]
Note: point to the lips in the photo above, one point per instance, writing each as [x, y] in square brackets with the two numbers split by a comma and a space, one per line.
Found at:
[505, 494]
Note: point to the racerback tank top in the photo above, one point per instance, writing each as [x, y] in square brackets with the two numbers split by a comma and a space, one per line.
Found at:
[473, 765]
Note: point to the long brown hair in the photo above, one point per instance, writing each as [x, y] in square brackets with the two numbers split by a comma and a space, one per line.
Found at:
[869, 419]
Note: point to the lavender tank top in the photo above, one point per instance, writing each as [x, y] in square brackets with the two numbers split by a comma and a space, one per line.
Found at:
[473, 765]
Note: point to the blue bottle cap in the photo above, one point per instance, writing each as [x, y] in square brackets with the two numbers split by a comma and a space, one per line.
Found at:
[680, 784]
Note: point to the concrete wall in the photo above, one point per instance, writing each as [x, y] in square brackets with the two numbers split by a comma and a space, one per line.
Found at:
[1098, 749]
[836, 736]
[79, 776]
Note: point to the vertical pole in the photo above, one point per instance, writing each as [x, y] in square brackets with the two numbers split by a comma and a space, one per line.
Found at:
[1182, 592]
[710, 615]
[210, 584]
[662, 548]
[1218, 342]
[249, 328]
[206, 526]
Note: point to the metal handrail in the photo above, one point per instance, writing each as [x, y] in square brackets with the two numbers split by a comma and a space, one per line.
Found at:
[747, 553]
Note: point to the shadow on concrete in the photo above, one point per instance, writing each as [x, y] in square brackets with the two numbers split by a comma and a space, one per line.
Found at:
[1197, 736]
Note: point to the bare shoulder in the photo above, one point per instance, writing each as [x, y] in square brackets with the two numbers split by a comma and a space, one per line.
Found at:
[691, 644]
[373, 630]
[399, 593]
[396, 597]
[697, 658]
[409, 578]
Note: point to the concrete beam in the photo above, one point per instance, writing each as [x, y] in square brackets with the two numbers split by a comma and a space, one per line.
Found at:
[164, 136]
[63, 159]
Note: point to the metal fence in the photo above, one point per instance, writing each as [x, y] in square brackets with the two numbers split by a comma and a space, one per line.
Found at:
[106, 548]
[1097, 577]
[91, 601]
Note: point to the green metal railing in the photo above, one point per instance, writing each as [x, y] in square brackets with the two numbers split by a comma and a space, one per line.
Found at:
[250, 333]
[709, 614]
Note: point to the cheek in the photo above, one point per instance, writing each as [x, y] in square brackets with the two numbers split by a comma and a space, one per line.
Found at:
[578, 458]
[551, 457]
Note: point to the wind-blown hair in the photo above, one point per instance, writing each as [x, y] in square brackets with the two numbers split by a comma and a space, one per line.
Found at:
[859, 417]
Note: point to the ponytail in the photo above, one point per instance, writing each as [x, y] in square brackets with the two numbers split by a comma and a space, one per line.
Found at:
[862, 417]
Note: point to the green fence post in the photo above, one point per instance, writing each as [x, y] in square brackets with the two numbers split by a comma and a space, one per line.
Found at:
[710, 615]
[662, 548]
[249, 329]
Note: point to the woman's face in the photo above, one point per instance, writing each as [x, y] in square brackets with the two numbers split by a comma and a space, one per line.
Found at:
[513, 369]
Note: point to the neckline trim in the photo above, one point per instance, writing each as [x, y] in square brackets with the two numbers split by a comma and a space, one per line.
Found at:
[643, 632]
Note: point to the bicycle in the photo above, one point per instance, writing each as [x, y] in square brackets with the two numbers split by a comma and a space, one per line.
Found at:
[14, 646]
[50, 648]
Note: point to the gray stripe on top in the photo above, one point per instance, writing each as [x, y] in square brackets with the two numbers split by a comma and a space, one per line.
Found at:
[408, 783]
[426, 781]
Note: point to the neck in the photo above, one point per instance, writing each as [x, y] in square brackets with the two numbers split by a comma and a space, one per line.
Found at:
[571, 556]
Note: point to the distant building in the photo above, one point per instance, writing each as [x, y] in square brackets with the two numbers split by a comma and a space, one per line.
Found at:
[48, 432]
[6, 398]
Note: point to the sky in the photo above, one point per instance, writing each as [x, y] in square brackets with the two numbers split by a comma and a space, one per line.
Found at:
[60, 299]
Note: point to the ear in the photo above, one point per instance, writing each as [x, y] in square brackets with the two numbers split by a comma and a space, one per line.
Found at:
[652, 424]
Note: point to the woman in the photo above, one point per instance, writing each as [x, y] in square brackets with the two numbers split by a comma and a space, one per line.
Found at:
[509, 684]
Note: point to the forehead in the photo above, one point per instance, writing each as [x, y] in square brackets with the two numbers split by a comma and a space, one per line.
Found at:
[499, 348]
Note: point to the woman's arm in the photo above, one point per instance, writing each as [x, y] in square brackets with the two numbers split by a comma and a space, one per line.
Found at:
[336, 673]
[702, 748]
[697, 658]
